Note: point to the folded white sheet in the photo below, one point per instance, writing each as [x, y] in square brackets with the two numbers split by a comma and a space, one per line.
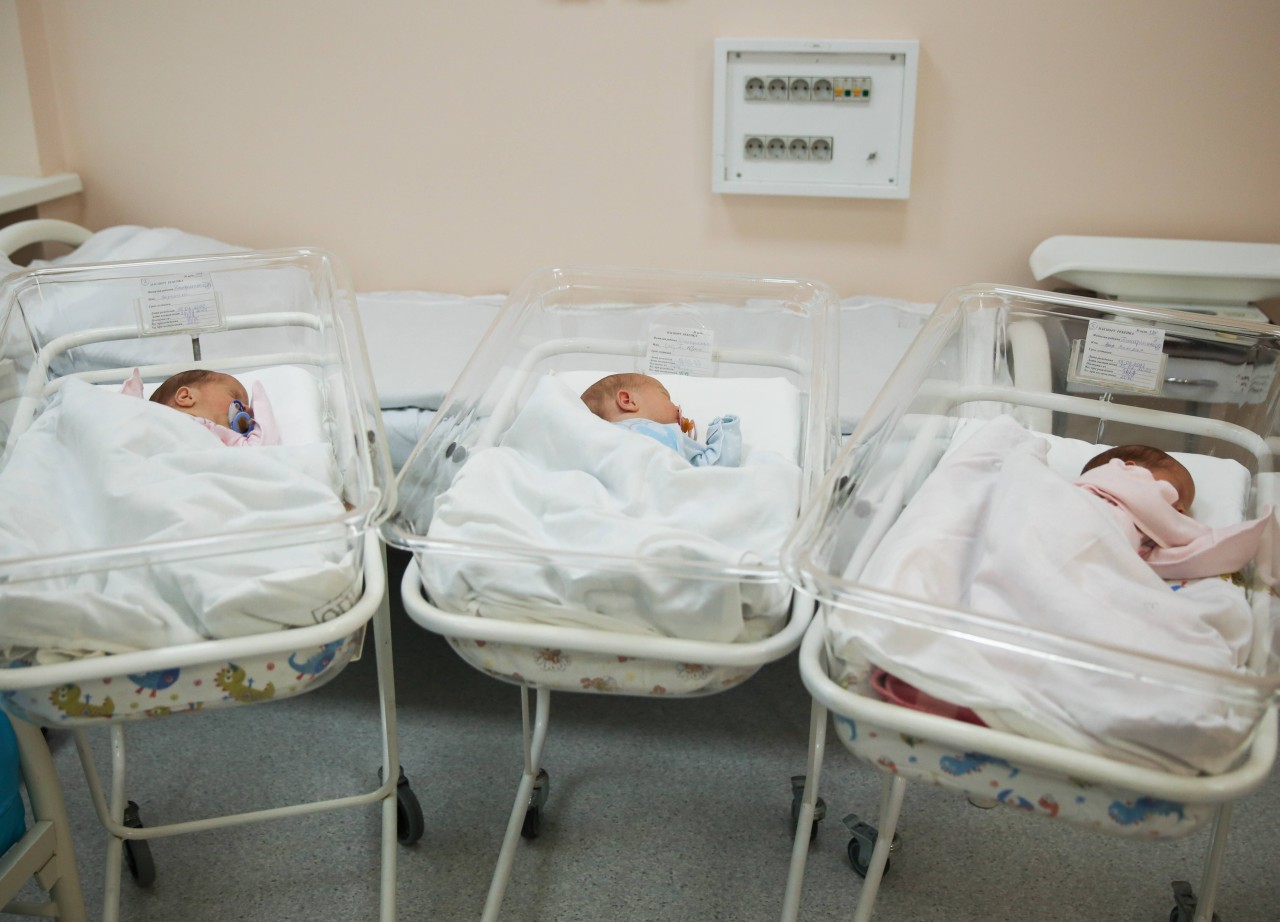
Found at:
[129, 241]
[562, 479]
[875, 334]
[112, 300]
[419, 341]
[405, 427]
[101, 470]
[995, 530]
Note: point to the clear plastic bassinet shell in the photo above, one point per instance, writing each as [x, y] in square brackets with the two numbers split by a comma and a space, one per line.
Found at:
[596, 321]
[240, 313]
[1181, 382]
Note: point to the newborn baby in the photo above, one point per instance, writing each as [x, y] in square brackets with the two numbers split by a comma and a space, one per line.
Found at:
[218, 402]
[641, 404]
[1149, 493]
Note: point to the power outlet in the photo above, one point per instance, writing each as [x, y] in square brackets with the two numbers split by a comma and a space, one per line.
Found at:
[781, 149]
[806, 89]
[814, 117]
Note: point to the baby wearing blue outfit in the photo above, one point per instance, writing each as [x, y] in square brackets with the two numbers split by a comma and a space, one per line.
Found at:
[642, 404]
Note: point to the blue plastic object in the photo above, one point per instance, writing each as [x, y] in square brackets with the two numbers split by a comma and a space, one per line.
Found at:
[13, 814]
[239, 419]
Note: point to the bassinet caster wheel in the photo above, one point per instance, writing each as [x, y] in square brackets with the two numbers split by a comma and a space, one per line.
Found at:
[797, 798]
[863, 842]
[533, 816]
[410, 824]
[1184, 899]
[137, 852]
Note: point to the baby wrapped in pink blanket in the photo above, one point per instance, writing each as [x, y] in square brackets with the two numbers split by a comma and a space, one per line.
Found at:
[994, 530]
[212, 397]
[1147, 493]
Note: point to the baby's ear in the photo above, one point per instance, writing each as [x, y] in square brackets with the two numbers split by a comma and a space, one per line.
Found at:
[133, 387]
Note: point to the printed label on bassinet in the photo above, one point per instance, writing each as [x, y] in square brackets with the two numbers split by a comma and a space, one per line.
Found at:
[1121, 355]
[179, 304]
[679, 351]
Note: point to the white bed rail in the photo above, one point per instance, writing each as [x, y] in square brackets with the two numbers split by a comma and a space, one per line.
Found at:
[958, 394]
[37, 386]
[42, 230]
[610, 643]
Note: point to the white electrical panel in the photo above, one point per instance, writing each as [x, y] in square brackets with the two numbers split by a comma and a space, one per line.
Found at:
[813, 117]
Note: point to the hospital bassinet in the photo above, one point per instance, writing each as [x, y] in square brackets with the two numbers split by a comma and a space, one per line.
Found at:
[1080, 371]
[764, 347]
[286, 318]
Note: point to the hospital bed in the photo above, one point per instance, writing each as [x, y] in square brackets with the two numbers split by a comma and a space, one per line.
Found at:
[146, 570]
[558, 552]
[1082, 373]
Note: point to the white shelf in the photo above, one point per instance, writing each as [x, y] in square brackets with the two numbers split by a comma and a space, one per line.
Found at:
[24, 191]
[1204, 272]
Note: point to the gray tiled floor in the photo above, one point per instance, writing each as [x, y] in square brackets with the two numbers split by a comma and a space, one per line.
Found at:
[659, 810]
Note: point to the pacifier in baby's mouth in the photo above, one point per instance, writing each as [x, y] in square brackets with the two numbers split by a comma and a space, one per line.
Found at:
[687, 426]
[239, 419]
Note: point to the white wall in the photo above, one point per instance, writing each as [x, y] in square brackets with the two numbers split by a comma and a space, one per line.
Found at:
[459, 145]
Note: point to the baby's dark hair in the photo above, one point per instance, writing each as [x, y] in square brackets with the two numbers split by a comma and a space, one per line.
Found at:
[1164, 466]
[165, 392]
[1141, 455]
[599, 396]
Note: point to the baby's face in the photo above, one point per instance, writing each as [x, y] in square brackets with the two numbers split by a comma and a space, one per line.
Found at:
[212, 398]
[655, 403]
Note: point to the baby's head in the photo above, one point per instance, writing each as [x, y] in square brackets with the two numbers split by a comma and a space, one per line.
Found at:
[204, 393]
[1161, 465]
[631, 396]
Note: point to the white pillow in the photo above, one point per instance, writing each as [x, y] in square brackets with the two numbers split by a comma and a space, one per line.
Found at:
[295, 399]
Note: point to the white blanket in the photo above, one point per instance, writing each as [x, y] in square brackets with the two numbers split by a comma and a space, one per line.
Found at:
[994, 530]
[561, 479]
[98, 469]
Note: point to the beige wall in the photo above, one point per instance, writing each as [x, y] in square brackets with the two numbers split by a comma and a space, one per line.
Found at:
[19, 152]
[459, 145]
